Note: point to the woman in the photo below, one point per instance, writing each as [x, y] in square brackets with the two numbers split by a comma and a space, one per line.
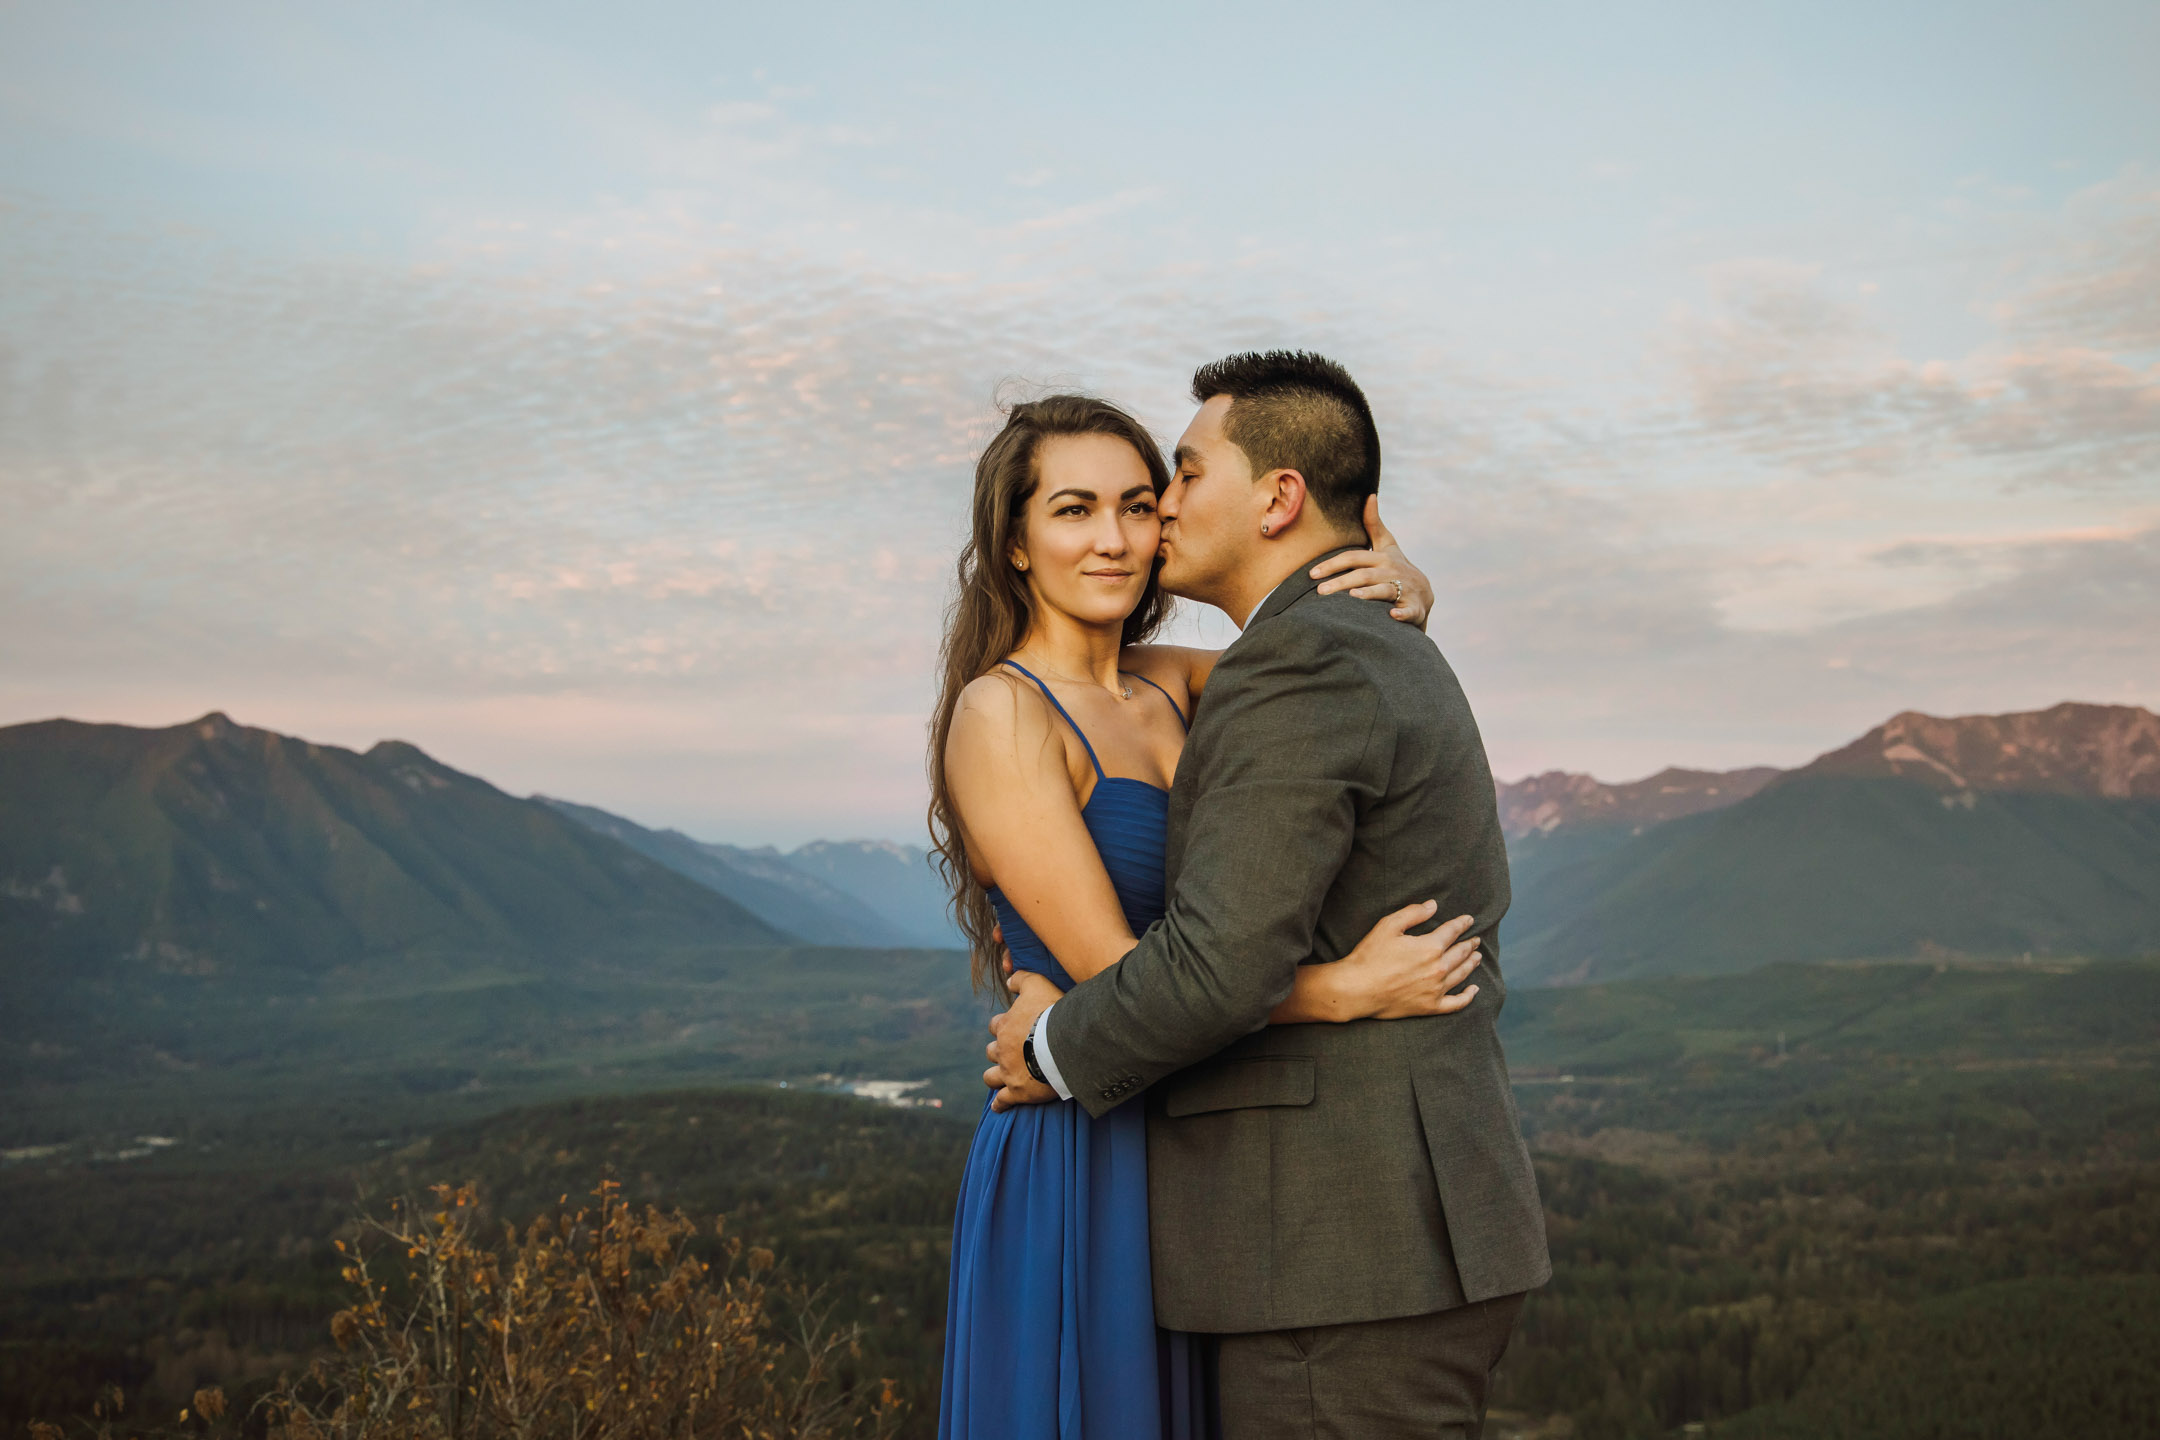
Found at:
[1055, 738]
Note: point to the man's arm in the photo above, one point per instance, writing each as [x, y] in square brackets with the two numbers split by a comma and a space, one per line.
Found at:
[1296, 746]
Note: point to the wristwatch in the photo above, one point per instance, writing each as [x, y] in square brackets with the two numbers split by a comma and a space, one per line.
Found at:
[1027, 1055]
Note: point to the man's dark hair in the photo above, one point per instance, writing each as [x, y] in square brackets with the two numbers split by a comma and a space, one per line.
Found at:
[1293, 410]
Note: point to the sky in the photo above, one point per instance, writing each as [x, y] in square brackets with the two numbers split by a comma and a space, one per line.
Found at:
[588, 393]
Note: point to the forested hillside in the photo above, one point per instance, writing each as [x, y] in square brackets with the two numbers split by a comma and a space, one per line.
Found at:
[828, 892]
[792, 901]
[1822, 867]
[1984, 835]
[211, 851]
[1839, 1197]
[1811, 1199]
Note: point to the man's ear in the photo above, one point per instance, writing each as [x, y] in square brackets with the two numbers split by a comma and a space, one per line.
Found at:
[1285, 491]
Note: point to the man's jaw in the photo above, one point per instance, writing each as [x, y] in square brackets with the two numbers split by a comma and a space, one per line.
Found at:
[1173, 583]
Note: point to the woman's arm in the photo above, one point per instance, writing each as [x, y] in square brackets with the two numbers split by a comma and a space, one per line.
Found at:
[1012, 783]
[1391, 975]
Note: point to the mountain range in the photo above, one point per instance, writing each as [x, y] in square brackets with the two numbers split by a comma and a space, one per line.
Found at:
[214, 849]
[215, 900]
[157, 857]
[830, 892]
[1542, 804]
[2111, 751]
[1989, 835]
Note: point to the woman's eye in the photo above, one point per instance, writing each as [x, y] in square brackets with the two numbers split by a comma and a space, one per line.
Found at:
[1073, 510]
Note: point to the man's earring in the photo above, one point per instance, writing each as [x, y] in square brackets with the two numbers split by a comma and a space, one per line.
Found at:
[1263, 529]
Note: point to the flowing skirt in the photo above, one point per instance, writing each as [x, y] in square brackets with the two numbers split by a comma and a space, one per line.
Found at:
[1050, 1321]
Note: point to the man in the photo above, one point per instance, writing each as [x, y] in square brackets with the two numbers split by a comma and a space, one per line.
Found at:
[1348, 1210]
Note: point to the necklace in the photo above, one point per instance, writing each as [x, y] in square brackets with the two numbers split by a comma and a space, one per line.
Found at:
[1124, 688]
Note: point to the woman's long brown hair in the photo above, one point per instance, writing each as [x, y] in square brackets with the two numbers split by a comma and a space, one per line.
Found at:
[991, 612]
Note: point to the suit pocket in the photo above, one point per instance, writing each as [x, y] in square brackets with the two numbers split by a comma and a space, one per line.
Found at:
[1240, 1085]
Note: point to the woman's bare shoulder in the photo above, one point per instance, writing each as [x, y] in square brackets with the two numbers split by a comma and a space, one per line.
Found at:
[997, 714]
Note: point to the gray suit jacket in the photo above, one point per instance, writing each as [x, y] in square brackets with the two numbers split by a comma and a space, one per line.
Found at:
[1316, 1174]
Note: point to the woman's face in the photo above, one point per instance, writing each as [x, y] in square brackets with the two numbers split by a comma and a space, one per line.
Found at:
[1091, 530]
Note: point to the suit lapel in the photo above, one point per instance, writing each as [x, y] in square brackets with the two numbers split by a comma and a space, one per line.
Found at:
[1295, 587]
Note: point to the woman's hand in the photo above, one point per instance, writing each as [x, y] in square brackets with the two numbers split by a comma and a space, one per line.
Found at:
[1374, 574]
[1022, 983]
[1394, 975]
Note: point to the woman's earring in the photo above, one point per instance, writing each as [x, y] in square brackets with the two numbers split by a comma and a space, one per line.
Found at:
[1019, 564]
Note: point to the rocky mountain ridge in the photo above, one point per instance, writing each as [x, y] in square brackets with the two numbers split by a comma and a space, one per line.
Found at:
[2112, 751]
[2022, 836]
[2107, 751]
[1541, 804]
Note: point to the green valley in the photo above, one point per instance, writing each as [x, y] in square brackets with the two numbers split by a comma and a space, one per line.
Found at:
[1768, 1194]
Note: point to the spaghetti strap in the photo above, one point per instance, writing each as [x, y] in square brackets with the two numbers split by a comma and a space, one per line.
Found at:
[1165, 695]
[1100, 773]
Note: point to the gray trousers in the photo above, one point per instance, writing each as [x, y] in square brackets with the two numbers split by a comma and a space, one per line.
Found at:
[1424, 1376]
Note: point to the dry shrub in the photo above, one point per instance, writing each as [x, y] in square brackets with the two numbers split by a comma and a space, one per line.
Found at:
[597, 1325]
[199, 1417]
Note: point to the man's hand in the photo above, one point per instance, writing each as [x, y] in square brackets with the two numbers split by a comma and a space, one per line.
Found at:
[1008, 1072]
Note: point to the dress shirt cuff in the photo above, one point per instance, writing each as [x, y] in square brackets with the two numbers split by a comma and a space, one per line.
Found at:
[1041, 1032]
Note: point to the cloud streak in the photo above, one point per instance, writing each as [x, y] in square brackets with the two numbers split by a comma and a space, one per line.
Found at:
[1782, 371]
[643, 506]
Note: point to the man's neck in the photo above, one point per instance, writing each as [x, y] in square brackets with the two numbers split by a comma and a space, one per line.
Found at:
[1276, 563]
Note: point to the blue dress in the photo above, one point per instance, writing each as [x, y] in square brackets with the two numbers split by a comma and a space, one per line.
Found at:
[1050, 1319]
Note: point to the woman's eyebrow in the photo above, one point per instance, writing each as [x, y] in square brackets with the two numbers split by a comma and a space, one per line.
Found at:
[1137, 491]
[1069, 490]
